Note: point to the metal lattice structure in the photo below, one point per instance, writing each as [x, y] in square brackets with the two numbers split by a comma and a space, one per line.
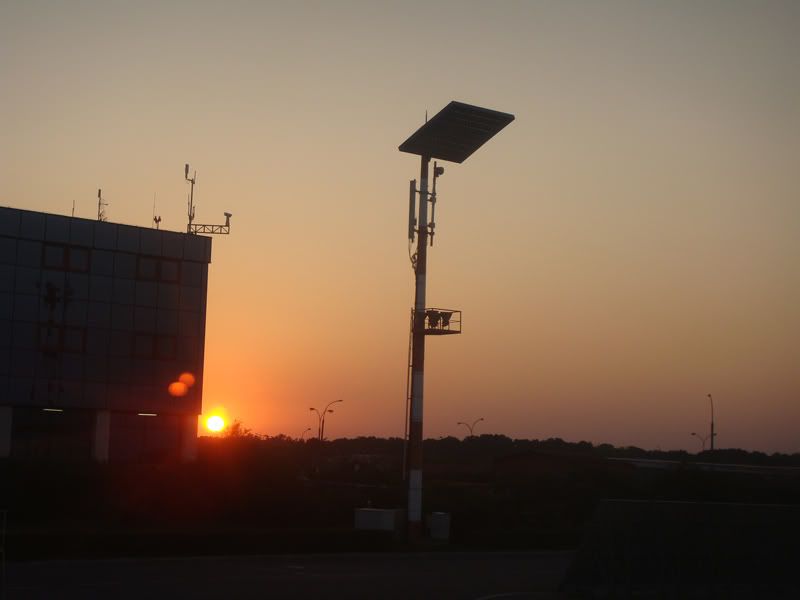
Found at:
[191, 228]
[220, 229]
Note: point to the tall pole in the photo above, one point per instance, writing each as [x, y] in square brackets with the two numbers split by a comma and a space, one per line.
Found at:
[321, 418]
[701, 439]
[319, 423]
[418, 363]
[712, 421]
[190, 208]
[324, 413]
[453, 134]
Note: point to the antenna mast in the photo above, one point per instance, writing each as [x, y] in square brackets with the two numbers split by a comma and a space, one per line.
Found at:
[190, 210]
[191, 227]
[101, 204]
[156, 218]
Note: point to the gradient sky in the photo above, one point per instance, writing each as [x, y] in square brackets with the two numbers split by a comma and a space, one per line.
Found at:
[628, 245]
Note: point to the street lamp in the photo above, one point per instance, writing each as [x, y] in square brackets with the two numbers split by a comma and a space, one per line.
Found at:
[712, 435]
[701, 439]
[470, 427]
[452, 134]
[302, 435]
[321, 418]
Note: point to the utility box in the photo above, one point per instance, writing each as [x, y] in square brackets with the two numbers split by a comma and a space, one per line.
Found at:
[439, 526]
[377, 519]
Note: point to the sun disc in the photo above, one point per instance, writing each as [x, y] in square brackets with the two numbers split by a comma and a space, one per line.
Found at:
[215, 423]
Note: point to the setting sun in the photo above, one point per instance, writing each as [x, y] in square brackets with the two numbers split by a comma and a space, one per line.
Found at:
[215, 423]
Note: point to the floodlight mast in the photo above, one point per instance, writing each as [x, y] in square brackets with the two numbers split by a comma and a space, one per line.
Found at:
[453, 134]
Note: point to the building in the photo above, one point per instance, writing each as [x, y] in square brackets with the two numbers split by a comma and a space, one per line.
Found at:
[96, 321]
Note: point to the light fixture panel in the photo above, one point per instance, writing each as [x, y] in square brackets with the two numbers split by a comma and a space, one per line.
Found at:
[456, 132]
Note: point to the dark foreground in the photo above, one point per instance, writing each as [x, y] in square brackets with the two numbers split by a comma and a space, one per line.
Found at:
[416, 575]
[676, 529]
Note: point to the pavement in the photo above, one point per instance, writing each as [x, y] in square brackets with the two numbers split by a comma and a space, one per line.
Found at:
[468, 575]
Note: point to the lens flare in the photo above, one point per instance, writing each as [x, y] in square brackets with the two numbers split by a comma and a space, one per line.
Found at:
[215, 423]
[187, 379]
[177, 389]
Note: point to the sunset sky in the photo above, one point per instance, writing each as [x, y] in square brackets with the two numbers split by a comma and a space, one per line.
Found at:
[629, 244]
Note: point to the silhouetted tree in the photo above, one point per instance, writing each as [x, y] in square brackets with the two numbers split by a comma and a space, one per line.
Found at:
[238, 430]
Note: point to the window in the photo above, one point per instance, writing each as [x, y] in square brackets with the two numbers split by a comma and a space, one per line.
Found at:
[169, 270]
[49, 338]
[65, 258]
[125, 265]
[53, 257]
[153, 269]
[78, 259]
[166, 346]
[143, 346]
[74, 339]
[58, 338]
[147, 269]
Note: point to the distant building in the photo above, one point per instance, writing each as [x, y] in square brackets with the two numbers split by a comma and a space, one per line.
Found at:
[96, 321]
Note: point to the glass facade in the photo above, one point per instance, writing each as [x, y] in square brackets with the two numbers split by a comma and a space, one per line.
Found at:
[99, 317]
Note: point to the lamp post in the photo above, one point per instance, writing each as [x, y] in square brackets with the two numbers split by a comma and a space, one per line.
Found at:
[452, 134]
[712, 435]
[470, 427]
[302, 435]
[321, 418]
[701, 439]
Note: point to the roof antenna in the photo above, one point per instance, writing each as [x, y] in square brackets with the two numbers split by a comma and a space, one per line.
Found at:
[101, 204]
[190, 202]
[156, 218]
[194, 228]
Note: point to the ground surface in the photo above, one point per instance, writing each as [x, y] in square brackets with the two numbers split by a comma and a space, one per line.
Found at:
[415, 575]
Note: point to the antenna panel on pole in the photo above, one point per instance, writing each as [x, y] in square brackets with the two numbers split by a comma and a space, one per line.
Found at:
[412, 208]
